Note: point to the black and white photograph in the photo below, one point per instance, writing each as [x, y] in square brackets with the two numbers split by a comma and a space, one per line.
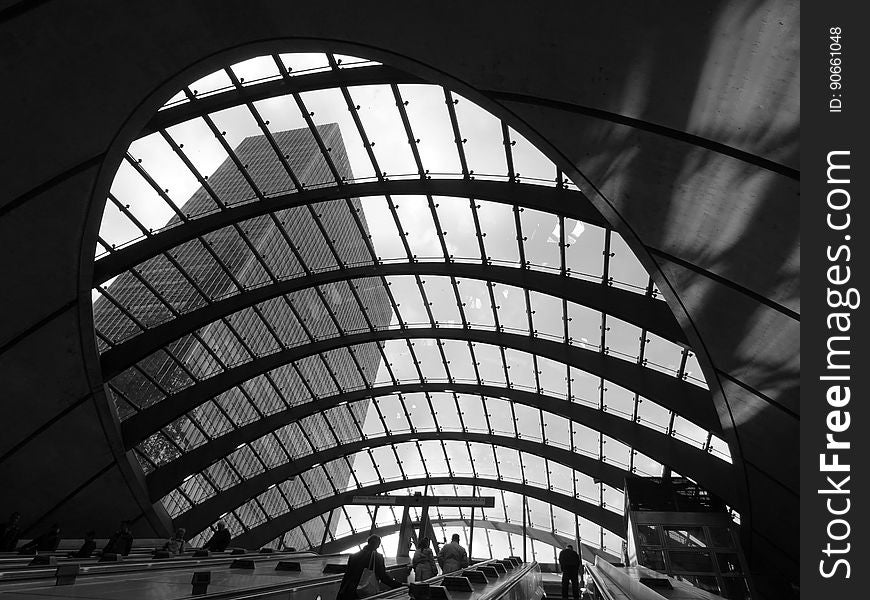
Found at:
[419, 300]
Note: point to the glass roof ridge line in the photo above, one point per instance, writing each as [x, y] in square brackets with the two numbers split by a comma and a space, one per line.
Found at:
[198, 517]
[283, 86]
[662, 388]
[661, 447]
[551, 200]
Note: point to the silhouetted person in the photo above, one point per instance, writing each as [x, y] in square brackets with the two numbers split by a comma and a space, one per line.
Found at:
[220, 539]
[47, 542]
[569, 562]
[9, 533]
[452, 556]
[424, 561]
[87, 548]
[175, 544]
[357, 563]
[121, 541]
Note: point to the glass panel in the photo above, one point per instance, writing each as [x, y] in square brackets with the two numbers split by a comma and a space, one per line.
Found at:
[256, 69]
[625, 268]
[460, 233]
[648, 535]
[720, 537]
[383, 125]
[442, 300]
[689, 561]
[687, 537]
[530, 163]
[483, 139]
[584, 250]
[499, 229]
[540, 245]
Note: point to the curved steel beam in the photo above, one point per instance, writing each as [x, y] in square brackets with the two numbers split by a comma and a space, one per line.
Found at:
[565, 202]
[271, 529]
[690, 401]
[542, 535]
[703, 467]
[201, 515]
[643, 311]
[382, 74]
[297, 84]
[355, 539]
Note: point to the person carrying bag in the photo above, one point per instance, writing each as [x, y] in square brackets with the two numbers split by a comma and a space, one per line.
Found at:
[365, 569]
[368, 582]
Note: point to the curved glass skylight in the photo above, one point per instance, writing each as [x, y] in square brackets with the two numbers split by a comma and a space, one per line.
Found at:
[317, 274]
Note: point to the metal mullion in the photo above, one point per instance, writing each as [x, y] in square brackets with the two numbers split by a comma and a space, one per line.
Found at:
[347, 517]
[331, 430]
[489, 542]
[117, 304]
[243, 170]
[680, 375]
[446, 458]
[266, 132]
[407, 414]
[106, 245]
[506, 138]
[287, 455]
[354, 111]
[400, 104]
[471, 459]
[203, 182]
[137, 165]
[381, 416]
[398, 460]
[104, 339]
[126, 212]
[423, 459]
[123, 397]
[341, 332]
[427, 306]
[375, 464]
[353, 418]
[306, 114]
[413, 143]
[367, 239]
[506, 520]
[457, 136]
[371, 327]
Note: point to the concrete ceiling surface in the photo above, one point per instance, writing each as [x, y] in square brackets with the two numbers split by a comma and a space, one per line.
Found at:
[682, 117]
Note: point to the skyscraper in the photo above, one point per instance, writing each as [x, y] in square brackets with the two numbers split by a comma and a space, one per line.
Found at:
[256, 252]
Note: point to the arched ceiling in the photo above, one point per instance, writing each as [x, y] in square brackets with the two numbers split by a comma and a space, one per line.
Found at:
[693, 169]
[398, 246]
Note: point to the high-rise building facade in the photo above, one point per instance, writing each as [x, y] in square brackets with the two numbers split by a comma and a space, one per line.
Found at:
[274, 247]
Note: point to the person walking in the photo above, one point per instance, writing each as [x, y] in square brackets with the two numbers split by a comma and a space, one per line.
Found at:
[423, 562]
[452, 556]
[367, 558]
[569, 562]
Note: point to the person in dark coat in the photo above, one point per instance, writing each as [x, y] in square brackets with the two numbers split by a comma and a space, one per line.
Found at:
[424, 562]
[9, 533]
[121, 541]
[220, 539]
[87, 548]
[47, 542]
[569, 562]
[360, 561]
